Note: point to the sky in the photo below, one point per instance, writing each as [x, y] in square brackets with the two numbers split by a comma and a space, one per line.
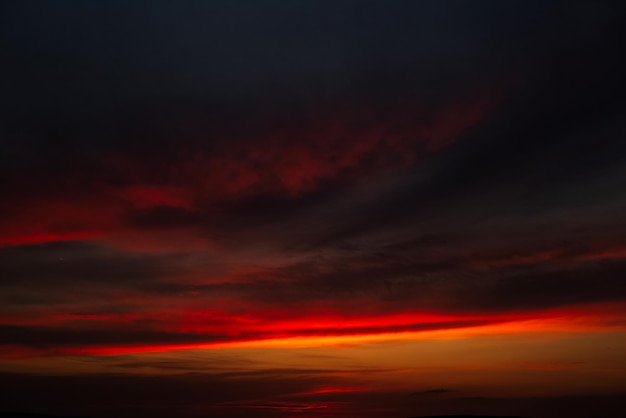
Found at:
[305, 208]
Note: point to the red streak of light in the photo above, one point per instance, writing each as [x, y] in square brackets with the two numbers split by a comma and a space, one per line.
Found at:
[264, 329]
[338, 340]
[41, 238]
[324, 391]
[324, 322]
[145, 197]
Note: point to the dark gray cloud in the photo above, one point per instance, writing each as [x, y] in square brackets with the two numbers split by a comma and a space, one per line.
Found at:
[56, 264]
[52, 338]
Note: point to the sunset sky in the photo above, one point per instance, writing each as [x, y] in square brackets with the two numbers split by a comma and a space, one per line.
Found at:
[298, 208]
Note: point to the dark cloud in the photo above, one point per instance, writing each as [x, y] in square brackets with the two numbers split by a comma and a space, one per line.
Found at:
[188, 395]
[78, 273]
[58, 338]
[64, 263]
[193, 394]
[475, 280]
[430, 392]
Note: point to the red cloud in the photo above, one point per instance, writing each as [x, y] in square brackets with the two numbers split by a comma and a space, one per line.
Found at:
[175, 329]
[113, 196]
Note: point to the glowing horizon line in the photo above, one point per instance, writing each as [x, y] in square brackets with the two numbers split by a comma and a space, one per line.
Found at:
[306, 341]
